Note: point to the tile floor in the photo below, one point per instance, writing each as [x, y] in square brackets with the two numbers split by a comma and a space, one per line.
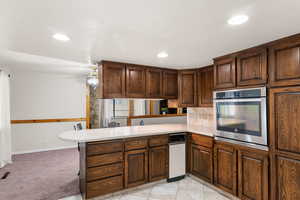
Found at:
[186, 189]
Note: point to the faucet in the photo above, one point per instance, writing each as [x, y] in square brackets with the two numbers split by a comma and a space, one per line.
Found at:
[142, 123]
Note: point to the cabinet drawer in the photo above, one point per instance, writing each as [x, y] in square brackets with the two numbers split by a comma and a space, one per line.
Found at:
[135, 144]
[202, 140]
[105, 147]
[158, 140]
[104, 159]
[105, 186]
[104, 171]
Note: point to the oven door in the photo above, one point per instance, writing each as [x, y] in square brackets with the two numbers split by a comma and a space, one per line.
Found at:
[242, 119]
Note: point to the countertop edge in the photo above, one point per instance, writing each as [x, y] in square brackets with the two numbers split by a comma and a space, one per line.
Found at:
[121, 137]
[72, 136]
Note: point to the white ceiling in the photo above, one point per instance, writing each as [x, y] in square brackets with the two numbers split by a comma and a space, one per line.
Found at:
[192, 32]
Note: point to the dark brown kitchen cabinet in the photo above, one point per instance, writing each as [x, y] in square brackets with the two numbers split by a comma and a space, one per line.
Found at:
[224, 72]
[113, 76]
[241, 171]
[154, 83]
[124, 80]
[205, 86]
[158, 163]
[101, 168]
[200, 156]
[136, 167]
[135, 81]
[201, 162]
[170, 84]
[253, 175]
[284, 62]
[285, 142]
[225, 167]
[285, 119]
[187, 83]
[285, 178]
[252, 67]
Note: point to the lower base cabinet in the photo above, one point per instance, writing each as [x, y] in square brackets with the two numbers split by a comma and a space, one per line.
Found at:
[110, 166]
[225, 167]
[136, 167]
[253, 175]
[286, 178]
[241, 171]
[200, 157]
[158, 163]
[104, 186]
[202, 162]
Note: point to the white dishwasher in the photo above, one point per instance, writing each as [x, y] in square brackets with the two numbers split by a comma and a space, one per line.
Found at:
[177, 156]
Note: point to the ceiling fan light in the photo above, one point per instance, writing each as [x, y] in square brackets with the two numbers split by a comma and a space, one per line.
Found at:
[92, 81]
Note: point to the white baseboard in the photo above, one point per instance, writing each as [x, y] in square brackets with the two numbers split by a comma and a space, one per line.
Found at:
[41, 150]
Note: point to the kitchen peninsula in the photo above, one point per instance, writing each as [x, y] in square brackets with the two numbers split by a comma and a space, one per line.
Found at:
[112, 159]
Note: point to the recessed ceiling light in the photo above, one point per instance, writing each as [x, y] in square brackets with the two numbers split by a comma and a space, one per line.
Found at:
[238, 19]
[61, 37]
[162, 54]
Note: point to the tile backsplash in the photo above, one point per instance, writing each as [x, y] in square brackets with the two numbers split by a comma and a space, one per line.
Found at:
[201, 119]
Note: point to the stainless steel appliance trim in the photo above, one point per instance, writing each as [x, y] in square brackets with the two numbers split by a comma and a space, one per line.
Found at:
[175, 143]
[263, 139]
[238, 100]
[256, 146]
[262, 89]
[181, 133]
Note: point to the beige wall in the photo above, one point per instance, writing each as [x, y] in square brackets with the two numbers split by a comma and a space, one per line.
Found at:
[42, 95]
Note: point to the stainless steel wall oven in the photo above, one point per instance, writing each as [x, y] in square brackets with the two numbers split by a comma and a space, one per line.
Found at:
[241, 116]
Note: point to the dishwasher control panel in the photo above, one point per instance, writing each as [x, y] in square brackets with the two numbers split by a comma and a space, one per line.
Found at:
[177, 138]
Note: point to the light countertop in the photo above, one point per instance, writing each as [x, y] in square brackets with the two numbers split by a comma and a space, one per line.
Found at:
[90, 135]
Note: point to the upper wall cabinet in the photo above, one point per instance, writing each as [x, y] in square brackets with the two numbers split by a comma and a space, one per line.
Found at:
[154, 83]
[205, 84]
[122, 80]
[113, 80]
[252, 67]
[170, 84]
[135, 81]
[187, 82]
[224, 72]
[284, 62]
[246, 68]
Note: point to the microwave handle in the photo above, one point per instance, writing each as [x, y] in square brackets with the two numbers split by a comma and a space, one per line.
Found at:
[239, 100]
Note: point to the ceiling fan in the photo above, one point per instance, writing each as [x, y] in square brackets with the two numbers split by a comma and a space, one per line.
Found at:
[92, 78]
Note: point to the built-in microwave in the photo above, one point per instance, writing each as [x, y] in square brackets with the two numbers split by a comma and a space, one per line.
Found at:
[241, 116]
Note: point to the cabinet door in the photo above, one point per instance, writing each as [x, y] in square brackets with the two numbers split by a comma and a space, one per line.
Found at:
[285, 119]
[135, 81]
[136, 167]
[113, 80]
[205, 87]
[154, 83]
[188, 88]
[170, 84]
[225, 168]
[224, 73]
[287, 178]
[201, 162]
[284, 62]
[253, 170]
[252, 67]
[158, 163]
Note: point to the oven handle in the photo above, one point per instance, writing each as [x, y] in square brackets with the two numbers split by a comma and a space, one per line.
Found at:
[240, 100]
